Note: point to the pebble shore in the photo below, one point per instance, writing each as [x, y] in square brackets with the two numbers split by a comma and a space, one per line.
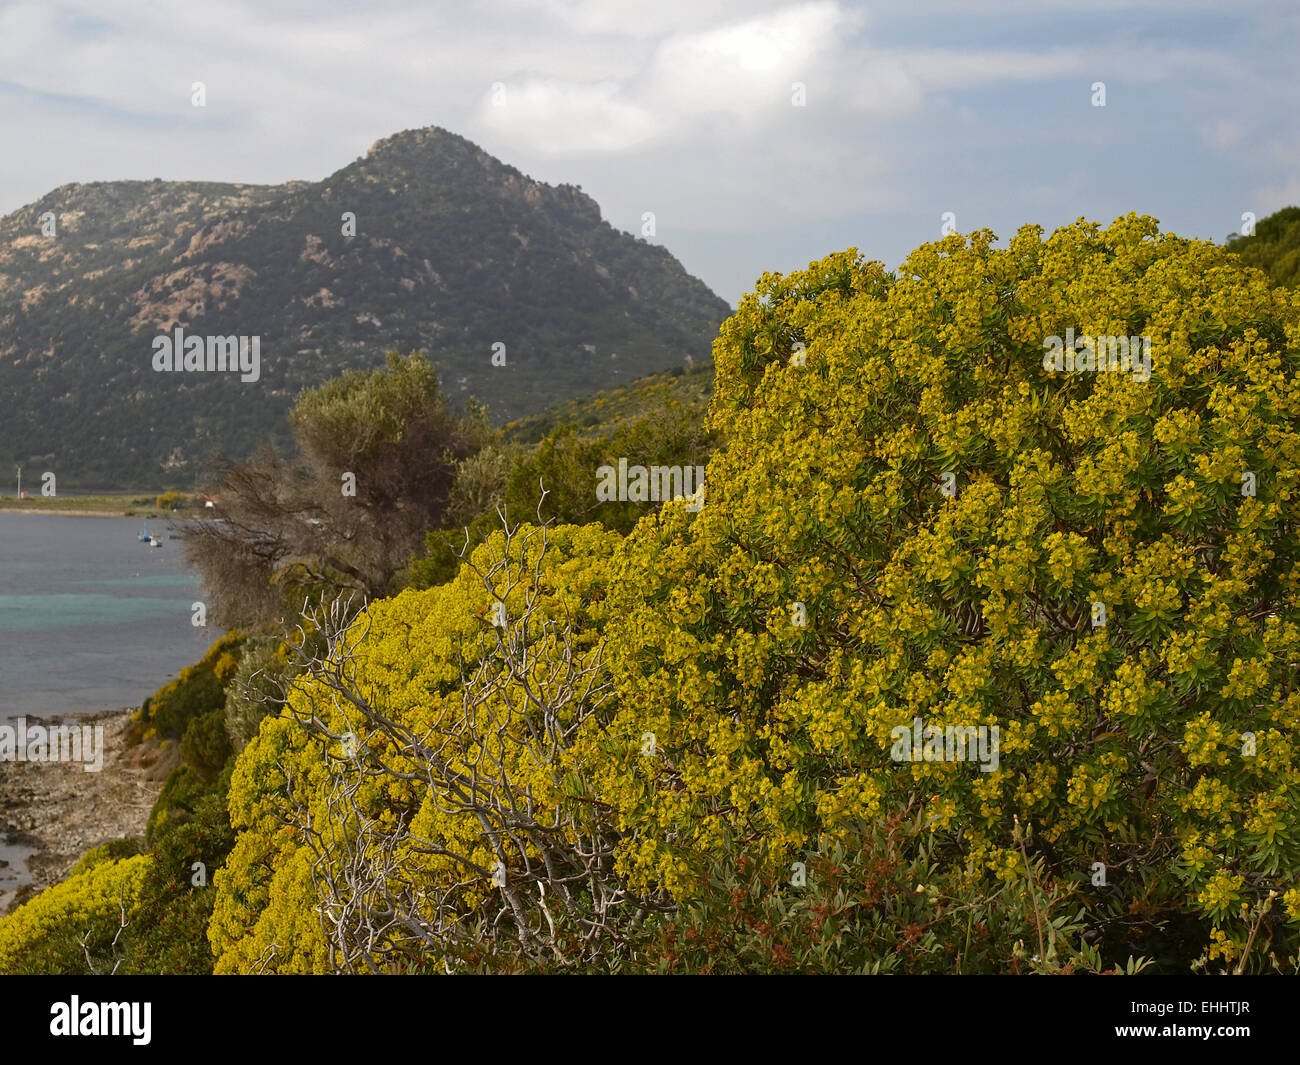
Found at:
[51, 813]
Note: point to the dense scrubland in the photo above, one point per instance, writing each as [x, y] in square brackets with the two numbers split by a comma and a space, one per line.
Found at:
[467, 719]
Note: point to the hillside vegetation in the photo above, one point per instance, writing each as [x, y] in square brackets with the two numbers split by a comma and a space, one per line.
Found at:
[1274, 246]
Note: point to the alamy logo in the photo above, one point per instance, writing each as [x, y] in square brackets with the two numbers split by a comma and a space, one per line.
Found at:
[53, 743]
[102, 1018]
[951, 743]
[1098, 355]
[242, 355]
[655, 484]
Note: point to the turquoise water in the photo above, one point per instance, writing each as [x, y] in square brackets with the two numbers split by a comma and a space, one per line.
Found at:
[90, 618]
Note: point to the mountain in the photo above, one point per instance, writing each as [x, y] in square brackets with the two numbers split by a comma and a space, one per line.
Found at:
[454, 253]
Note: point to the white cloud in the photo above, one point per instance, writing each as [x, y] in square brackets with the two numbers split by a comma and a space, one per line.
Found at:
[746, 68]
[647, 20]
[565, 118]
[948, 68]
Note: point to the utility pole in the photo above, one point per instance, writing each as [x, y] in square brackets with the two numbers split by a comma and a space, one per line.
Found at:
[20, 482]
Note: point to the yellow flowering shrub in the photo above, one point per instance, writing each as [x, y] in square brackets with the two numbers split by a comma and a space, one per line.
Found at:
[408, 660]
[914, 516]
[44, 934]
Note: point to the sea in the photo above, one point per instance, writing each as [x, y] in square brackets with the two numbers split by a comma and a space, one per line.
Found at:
[91, 619]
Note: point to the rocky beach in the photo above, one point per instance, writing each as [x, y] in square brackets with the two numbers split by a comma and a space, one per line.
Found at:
[51, 813]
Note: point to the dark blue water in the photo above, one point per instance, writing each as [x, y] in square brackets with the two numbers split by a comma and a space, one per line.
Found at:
[90, 618]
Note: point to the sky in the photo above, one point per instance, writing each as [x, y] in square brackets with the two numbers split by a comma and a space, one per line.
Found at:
[761, 135]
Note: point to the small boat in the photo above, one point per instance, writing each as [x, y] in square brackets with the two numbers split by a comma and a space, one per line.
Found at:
[144, 534]
[154, 542]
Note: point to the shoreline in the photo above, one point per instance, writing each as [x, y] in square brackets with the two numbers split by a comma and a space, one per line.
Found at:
[72, 513]
[133, 504]
[52, 813]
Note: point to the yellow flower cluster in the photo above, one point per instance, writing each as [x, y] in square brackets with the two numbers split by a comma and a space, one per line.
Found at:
[94, 893]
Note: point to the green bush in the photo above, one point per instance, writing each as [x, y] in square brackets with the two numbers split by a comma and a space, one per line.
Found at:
[565, 463]
[127, 847]
[205, 745]
[167, 932]
[257, 688]
[182, 797]
[198, 689]
[1274, 247]
[878, 900]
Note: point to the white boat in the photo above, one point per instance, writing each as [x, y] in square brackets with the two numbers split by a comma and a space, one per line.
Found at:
[154, 542]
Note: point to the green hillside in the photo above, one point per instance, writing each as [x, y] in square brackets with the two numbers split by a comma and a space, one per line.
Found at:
[1274, 246]
[615, 407]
